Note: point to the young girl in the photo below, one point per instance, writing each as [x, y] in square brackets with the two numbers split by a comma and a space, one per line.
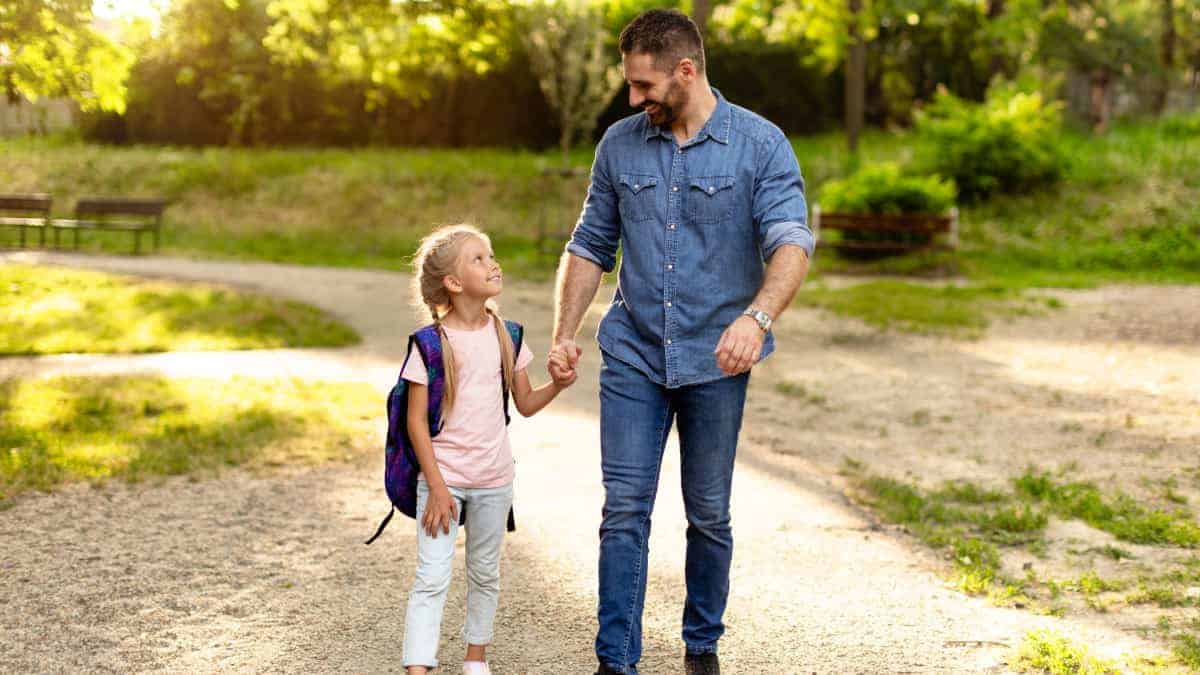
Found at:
[469, 464]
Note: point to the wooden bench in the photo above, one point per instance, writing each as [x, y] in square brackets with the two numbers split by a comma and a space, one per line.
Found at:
[24, 211]
[926, 227]
[110, 213]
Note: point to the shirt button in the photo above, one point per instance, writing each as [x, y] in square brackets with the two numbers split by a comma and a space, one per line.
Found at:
[675, 188]
[710, 190]
[670, 226]
[670, 267]
[668, 341]
[636, 186]
[668, 303]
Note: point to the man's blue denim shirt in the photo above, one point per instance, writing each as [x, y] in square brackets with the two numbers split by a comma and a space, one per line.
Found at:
[695, 224]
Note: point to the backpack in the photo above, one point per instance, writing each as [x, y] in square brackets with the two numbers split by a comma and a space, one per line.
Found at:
[400, 460]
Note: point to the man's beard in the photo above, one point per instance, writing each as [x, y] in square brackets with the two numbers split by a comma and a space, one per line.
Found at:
[674, 100]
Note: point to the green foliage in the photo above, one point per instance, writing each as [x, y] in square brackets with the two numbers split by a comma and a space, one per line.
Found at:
[1098, 36]
[48, 310]
[1182, 125]
[390, 48]
[1007, 144]
[1120, 515]
[575, 68]
[66, 430]
[882, 188]
[48, 48]
[962, 311]
[1045, 651]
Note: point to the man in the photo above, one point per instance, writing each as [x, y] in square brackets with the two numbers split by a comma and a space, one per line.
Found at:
[699, 193]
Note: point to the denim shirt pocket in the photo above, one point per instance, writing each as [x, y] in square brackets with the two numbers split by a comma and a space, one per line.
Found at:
[636, 196]
[710, 198]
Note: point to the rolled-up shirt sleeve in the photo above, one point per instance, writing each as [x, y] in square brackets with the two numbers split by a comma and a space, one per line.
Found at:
[779, 208]
[598, 231]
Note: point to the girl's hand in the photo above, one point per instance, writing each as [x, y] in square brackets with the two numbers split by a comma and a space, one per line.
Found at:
[440, 509]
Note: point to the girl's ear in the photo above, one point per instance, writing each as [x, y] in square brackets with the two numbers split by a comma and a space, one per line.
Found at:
[452, 284]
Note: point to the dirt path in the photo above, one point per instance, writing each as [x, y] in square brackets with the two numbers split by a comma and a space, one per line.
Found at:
[267, 573]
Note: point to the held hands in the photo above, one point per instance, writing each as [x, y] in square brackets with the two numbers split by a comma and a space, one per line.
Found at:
[740, 346]
[440, 510]
[562, 361]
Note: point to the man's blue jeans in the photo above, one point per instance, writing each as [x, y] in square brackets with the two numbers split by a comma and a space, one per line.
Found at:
[635, 419]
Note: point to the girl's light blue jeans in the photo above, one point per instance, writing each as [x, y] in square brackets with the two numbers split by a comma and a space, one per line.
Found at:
[487, 517]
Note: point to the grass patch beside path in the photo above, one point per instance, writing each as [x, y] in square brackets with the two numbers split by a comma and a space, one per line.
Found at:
[50, 310]
[1045, 651]
[963, 311]
[977, 529]
[66, 430]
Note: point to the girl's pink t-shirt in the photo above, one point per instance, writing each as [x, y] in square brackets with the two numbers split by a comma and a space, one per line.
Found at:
[472, 450]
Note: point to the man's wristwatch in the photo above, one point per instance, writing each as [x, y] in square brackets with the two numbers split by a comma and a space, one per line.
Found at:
[762, 318]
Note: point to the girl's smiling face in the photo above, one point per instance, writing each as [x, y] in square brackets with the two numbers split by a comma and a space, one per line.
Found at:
[478, 274]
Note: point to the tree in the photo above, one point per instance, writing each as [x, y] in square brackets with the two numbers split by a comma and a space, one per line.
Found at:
[569, 53]
[391, 48]
[1166, 55]
[1105, 40]
[856, 75]
[48, 48]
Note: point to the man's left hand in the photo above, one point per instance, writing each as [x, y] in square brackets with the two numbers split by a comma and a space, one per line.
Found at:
[740, 346]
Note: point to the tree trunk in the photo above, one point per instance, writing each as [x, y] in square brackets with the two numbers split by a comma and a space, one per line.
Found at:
[1101, 107]
[564, 143]
[999, 61]
[1166, 56]
[856, 78]
[701, 11]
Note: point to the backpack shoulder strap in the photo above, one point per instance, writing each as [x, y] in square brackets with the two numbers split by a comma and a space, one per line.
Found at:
[517, 332]
[429, 344]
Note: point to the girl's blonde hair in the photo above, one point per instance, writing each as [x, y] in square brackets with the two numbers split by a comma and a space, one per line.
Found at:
[437, 258]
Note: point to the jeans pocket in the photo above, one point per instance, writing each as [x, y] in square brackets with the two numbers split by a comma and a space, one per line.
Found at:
[636, 196]
[710, 198]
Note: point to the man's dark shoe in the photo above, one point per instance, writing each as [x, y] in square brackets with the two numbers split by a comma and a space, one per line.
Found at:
[702, 664]
[605, 670]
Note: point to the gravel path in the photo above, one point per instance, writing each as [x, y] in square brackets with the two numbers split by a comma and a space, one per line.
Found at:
[267, 573]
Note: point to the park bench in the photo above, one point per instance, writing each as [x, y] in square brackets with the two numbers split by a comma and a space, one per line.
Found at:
[925, 230]
[111, 213]
[24, 211]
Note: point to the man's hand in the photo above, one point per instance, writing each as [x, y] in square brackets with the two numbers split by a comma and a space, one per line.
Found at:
[740, 346]
[562, 361]
[440, 510]
[560, 369]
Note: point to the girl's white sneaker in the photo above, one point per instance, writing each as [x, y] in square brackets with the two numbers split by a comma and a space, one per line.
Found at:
[476, 668]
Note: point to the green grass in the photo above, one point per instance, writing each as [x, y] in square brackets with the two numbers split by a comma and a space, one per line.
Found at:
[65, 430]
[49, 310]
[1118, 514]
[1124, 211]
[342, 207]
[1044, 651]
[963, 311]
[974, 525]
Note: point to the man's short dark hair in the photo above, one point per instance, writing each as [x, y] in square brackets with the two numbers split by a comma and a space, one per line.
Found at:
[668, 35]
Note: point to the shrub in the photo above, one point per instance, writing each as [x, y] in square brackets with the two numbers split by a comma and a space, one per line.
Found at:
[1006, 144]
[882, 188]
[1182, 125]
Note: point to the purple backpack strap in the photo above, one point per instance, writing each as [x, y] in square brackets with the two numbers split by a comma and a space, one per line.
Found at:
[429, 342]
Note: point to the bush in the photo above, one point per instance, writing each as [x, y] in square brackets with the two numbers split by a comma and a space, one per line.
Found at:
[882, 188]
[1182, 125]
[1006, 144]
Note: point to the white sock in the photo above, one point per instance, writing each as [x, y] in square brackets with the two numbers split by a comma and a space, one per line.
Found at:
[476, 668]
